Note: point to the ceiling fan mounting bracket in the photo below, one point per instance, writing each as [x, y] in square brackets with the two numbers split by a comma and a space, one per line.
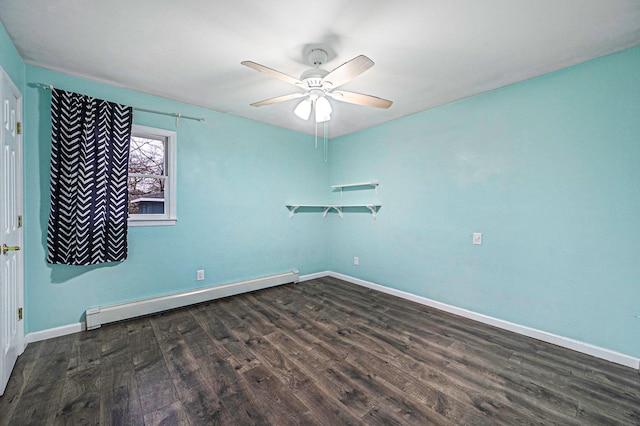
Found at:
[317, 57]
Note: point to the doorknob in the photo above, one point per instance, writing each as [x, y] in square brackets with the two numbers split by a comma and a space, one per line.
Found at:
[6, 248]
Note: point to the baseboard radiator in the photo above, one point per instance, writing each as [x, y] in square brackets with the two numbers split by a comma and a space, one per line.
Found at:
[95, 317]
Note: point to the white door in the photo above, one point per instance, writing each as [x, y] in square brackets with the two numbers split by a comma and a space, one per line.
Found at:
[11, 259]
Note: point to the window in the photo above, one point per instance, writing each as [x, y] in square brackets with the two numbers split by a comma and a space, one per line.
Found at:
[152, 177]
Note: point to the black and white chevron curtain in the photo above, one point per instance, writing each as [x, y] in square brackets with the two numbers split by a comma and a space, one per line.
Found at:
[89, 163]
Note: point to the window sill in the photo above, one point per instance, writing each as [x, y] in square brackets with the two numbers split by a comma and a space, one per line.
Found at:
[151, 222]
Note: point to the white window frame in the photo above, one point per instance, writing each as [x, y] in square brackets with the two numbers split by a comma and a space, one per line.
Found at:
[169, 217]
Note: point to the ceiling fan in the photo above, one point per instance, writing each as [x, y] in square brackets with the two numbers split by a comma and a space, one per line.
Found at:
[318, 84]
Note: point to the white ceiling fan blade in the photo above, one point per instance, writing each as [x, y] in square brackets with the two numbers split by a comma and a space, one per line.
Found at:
[360, 99]
[271, 72]
[348, 71]
[278, 99]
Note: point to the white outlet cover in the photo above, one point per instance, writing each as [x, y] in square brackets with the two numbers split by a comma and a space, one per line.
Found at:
[477, 238]
[356, 260]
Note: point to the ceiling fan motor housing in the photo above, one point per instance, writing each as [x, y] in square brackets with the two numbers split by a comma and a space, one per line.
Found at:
[312, 79]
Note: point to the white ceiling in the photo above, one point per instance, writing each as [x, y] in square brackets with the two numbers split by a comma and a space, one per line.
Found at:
[427, 53]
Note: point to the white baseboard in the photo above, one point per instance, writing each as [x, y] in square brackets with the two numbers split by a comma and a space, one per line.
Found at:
[169, 302]
[53, 332]
[81, 326]
[586, 348]
[314, 276]
[97, 316]
[565, 342]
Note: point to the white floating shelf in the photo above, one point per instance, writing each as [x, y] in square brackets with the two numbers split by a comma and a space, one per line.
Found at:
[373, 208]
[374, 184]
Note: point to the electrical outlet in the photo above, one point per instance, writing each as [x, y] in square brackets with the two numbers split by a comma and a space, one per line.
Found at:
[356, 260]
[200, 274]
[477, 238]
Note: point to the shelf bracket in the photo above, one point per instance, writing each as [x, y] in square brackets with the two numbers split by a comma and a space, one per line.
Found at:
[292, 210]
[339, 210]
[374, 210]
[326, 210]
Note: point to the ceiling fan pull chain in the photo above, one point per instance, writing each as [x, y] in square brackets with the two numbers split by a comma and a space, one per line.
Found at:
[326, 140]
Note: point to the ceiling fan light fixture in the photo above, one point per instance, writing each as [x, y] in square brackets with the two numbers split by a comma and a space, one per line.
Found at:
[323, 109]
[318, 84]
[303, 109]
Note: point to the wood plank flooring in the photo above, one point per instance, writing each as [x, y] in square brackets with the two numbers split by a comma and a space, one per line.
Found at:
[322, 352]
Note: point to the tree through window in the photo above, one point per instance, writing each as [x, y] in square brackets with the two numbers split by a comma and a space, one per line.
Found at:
[150, 178]
[146, 175]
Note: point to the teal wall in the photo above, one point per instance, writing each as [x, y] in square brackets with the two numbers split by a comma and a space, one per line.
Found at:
[234, 178]
[10, 60]
[547, 169]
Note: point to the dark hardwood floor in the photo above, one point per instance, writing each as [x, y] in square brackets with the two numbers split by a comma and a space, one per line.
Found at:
[321, 352]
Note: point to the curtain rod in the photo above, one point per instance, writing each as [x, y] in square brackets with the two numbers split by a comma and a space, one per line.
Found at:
[177, 115]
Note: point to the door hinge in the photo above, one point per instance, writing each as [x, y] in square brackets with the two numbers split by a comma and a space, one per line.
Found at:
[19, 127]
[19, 314]
[19, 221]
